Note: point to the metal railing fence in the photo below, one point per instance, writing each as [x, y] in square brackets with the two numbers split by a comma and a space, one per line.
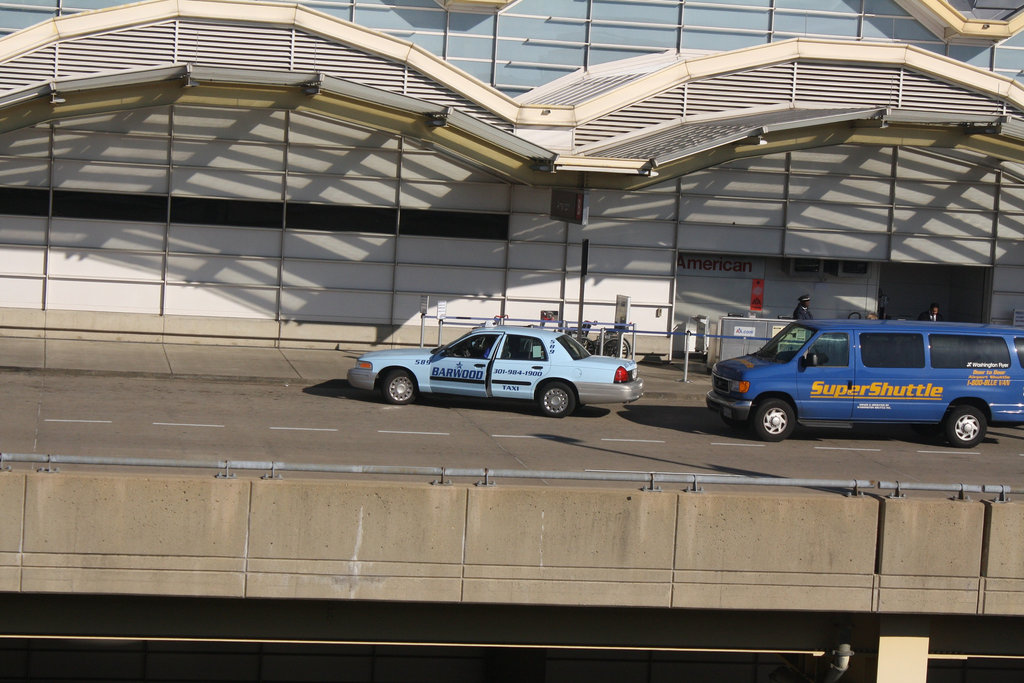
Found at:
[485, 476]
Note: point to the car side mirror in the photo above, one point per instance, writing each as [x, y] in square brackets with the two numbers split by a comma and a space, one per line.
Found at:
[813, 359]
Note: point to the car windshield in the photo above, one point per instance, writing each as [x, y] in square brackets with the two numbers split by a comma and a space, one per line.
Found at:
[573, 347]
[786, 344]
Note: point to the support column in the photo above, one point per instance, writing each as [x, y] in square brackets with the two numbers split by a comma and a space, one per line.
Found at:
[903, 650]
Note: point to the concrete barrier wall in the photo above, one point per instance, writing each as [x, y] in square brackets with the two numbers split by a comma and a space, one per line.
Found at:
[168, 535]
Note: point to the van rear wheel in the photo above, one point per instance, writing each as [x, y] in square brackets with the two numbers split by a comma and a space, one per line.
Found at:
[773, 420]
[965, 426]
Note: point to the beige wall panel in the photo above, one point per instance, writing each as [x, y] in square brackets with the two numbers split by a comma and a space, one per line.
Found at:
[740, 533]
[730, 240]
[229, 302]
[536, 228]
[845, 159]
[368, 163]
[1009, 253]
[229, 270]
[717, 212]
[130, 515]
[1004, 544]
[88, 295]
[450, 281]
[818, 592]
[344, 246]
[227, 155]
[22, 260]
[12, 502]
[534, 284]
[839, 217]
[949, 195]
[948, 223]
[536, 200]
[335, 275]
[228, 184]
[304, 129]
[332, 189]
[1008, 279]
[730, 182]
[125, 581]
[840, 189]
[651, 206]
[20, 172]
[153, 121]
[920, 164]
[547, 528]
[22, 230]
[1011, 226]
[110, 147]
[455, 196]
[828, 244]
[107, 265]
[70, 174]
[340, 305]
[536, 256]
[424, 165]
[941, 250]
[1004, 596]
[452, 252]
[357, 587]
[205, 239]
[927, 538]
[260, 125]
[21, 292]
[27, 142]
[101, 234]
[370, 522]
[624, 233]
[568, 593]
[923, 594]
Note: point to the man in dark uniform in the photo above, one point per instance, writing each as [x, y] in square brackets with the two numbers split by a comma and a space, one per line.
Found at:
[802, 310]
[931, 314]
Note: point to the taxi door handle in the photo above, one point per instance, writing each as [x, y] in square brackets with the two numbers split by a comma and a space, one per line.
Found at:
[479, 365]
[537, 367]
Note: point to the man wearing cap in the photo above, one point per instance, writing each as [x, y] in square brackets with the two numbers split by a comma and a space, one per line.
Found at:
[802, 310]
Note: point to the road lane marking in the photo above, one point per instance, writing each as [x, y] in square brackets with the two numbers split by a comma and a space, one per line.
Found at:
[741, 445]
[306, 429]
[843, 448]
[953, 450]
[523, 436]
[183, 424]
[636, 440]
[105, 422]
[395, 431]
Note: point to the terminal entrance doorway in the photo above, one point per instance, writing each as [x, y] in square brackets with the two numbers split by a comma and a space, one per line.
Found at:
[907, 289]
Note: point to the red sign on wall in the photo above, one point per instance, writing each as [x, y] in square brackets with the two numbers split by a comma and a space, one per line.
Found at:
[756, 295]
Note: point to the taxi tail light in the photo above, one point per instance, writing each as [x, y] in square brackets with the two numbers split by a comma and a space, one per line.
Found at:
[621, 374]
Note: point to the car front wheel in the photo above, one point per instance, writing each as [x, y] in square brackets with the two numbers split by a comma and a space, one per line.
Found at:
[965, 426]
[773, 420]
[556, 400]
[398, 387]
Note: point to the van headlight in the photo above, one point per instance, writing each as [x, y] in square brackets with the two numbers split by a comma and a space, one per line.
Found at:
[739, 386]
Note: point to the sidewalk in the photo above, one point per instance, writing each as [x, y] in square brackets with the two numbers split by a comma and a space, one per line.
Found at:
[250, 363]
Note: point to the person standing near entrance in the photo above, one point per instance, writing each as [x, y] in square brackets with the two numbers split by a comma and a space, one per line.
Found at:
[931, 314]
[803, 308]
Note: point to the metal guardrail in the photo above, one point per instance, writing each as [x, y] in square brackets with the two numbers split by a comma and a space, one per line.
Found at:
[486, 476]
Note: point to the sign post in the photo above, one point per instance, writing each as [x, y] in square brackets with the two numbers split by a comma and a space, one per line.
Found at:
[584, 259]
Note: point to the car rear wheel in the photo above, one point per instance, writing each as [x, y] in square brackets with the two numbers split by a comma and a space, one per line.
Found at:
[773, 420]
[965, 426]
[556, 400]
[398, 387]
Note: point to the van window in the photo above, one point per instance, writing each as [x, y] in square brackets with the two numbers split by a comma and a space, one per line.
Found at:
[892, 350]
[833, 350]
[783, 346]
[968, 351]
[1019, 343]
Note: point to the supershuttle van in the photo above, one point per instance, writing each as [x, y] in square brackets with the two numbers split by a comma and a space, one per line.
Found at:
[953, 378]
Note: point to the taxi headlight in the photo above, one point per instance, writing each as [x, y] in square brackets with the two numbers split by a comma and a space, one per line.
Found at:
[364, 364]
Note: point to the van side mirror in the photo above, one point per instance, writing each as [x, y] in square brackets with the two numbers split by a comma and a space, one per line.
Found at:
[814, 359]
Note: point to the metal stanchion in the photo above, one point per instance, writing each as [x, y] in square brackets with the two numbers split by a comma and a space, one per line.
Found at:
[686, 356]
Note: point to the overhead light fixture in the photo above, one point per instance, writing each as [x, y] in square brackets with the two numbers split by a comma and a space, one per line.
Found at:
[187, 81]
[313, 87]
[761, 140]
[542, 165]
[55, 98]
[439, 119]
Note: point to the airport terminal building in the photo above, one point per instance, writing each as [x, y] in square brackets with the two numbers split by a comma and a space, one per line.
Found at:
[316, 173]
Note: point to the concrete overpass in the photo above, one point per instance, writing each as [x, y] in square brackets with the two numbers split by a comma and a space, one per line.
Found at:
[903, 582]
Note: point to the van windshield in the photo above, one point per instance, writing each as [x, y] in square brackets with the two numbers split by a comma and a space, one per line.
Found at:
[786, 344]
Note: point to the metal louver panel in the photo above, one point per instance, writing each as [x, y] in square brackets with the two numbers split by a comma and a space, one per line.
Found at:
[132, 48]
[232, 46]
[834, 85]
[236, 46]
[28, 69]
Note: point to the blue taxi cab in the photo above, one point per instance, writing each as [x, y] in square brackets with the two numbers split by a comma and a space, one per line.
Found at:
[950, 378]
[533, 364]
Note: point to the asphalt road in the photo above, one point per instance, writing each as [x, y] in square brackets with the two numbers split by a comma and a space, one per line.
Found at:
[329, 422]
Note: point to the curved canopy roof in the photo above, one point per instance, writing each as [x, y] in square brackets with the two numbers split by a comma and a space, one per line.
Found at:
[624, 125]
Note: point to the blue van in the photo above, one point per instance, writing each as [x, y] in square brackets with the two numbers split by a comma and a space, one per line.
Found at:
[953, 378]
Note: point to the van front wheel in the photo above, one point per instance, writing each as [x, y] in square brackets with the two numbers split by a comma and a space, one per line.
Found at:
[773, 420]
[965, 426]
